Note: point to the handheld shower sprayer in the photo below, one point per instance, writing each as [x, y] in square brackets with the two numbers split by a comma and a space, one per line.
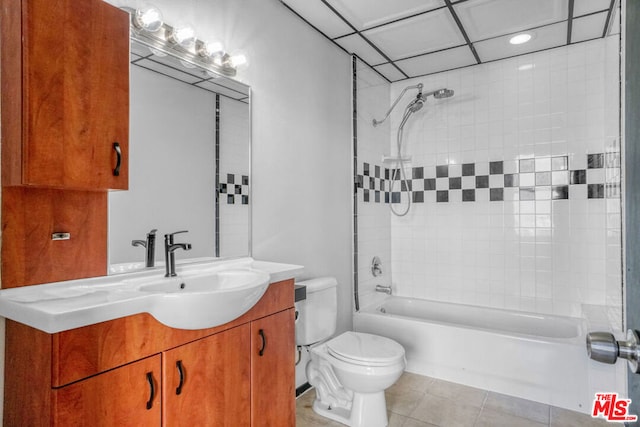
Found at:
[398, 172]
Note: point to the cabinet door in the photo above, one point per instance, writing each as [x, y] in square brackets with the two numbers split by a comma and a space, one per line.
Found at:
[207, 382]
[75, 94]
[273, 370]
[125, 396]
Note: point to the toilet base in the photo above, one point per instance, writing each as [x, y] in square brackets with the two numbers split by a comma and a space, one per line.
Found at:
[368, 410]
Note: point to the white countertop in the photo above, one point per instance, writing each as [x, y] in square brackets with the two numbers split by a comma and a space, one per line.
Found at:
[60, 306]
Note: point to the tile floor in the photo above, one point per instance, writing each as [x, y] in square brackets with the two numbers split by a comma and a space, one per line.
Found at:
[417, 401]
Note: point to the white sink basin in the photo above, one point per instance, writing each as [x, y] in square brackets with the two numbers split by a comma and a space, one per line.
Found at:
[203, 295]
[202, 301]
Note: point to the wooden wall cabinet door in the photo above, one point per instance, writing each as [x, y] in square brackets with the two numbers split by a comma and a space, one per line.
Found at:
[208, 382]
[65, 94]
[121, 397]
[273, 370]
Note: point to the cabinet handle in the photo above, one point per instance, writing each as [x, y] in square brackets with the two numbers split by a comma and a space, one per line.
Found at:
[116, 170]
[181, 373]
[264, 342]
[152, 390]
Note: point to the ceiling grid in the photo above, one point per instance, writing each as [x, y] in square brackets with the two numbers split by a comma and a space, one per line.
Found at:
[411, 38]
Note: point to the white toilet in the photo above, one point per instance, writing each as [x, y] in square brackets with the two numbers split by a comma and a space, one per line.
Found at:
[351, 371]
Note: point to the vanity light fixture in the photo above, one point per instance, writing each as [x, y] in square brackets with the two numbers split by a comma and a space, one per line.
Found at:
[148, 18]
[180, 42]
[520, 38]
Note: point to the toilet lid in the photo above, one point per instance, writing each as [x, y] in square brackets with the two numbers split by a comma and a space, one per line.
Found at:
[365, 349]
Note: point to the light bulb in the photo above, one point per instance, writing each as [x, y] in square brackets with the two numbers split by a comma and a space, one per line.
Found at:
[211, 49]
[238, 59]
[148, 18]
[520, 38]
[184, 35]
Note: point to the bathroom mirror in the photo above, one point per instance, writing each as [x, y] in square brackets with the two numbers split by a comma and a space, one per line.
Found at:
[189, 165]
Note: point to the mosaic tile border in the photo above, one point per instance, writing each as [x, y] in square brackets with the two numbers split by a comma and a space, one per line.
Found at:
[538, 178]
[236, 188]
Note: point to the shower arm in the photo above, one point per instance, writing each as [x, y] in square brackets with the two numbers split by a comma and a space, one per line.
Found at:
[418, 86]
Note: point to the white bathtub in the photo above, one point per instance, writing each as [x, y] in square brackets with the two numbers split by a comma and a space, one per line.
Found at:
[536, 357]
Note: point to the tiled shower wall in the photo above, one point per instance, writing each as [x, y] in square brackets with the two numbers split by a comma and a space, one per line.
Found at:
[515, 184]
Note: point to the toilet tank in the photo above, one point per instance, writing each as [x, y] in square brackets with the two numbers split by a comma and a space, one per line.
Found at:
[318, 313]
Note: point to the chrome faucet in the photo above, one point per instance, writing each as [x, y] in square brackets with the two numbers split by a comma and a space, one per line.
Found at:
[383, 289]
[169, 249]
[150, 245]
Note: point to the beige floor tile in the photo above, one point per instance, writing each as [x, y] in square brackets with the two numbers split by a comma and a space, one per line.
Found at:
[397, 420]
[413, 382]
[534, 411]
[565, 418]
[404, 401]
[410, 422]
[444, 411]
[492, 418]
[458, 392]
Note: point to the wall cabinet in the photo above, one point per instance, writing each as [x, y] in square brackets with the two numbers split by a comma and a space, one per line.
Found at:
[136, 371]
[65, 94]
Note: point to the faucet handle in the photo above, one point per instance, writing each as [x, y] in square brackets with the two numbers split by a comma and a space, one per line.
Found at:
[169, 237]
[152, 232]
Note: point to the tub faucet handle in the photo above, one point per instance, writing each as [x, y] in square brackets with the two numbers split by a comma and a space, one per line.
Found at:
[376, 266]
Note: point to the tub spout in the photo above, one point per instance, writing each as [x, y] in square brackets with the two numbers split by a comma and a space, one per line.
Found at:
[384, 289]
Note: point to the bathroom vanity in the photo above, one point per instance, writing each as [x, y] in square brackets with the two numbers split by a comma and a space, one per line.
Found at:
[134, 370]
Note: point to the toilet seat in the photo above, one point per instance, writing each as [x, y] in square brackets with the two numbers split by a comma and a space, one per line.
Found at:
[365, 349]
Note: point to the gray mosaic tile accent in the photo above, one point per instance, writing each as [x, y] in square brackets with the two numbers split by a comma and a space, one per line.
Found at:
[235, 187]
[540, 178]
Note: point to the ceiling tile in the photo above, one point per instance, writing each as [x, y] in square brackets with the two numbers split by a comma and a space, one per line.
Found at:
[582, 7]
[543, 38]
[483, 19]
[320, 16]
[390, 72]
[364, 14]
[414, 36]
[436, 62]
[589, 27]
[356, 44]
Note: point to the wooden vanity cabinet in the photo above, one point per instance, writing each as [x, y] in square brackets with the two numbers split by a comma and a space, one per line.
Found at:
[208, 382]
[65, 94]
[273, 357]
[238, 374]
[126, 396]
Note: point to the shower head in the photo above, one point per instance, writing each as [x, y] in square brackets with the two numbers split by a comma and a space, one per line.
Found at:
[442, 93]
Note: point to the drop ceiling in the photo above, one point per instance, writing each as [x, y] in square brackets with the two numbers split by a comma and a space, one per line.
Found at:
[402, 39]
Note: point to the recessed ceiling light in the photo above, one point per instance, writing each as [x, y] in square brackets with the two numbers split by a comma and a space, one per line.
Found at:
[520, 38]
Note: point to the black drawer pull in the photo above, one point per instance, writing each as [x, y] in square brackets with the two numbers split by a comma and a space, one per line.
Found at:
[181, 373]
[264, 342]
[118, 150]
[152, 390]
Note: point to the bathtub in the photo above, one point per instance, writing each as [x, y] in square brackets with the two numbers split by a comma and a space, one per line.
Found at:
[531, 356]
